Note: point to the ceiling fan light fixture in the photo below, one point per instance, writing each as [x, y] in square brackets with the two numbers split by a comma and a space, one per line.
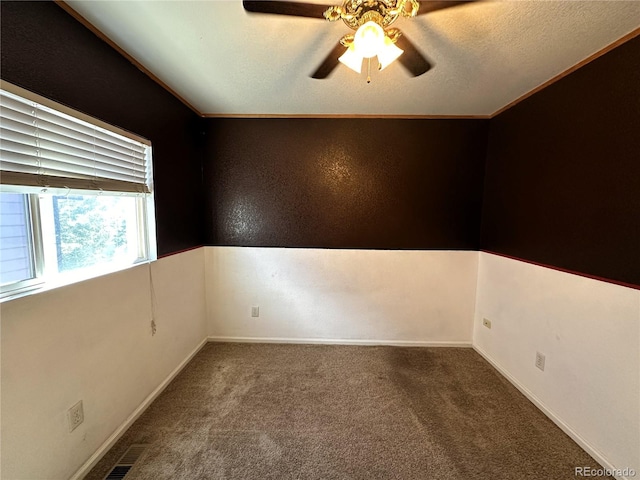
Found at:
[388, 53]
[369, 39]
[352, 59]
[373, 36]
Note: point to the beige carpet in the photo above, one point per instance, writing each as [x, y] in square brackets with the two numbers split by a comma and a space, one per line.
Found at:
[256, 411]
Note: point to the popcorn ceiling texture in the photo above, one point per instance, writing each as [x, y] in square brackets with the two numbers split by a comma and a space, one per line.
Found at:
[344, 412]
[485, 55]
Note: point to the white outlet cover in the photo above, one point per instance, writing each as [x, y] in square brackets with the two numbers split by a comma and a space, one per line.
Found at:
[255, 311]
[540, 358]
[76, 416]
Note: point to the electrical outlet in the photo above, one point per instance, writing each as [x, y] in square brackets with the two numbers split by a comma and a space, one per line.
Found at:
[540, 361]
[486, 322]
[255, 311]
[76, 416]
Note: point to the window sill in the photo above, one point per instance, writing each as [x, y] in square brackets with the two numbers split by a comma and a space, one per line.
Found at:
[69, 278]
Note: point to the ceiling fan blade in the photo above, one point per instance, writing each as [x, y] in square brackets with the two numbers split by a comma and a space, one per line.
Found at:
[432, 6]
[296, 9]
[412, 59]
[330, 62]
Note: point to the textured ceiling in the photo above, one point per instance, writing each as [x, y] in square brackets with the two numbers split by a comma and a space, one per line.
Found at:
[223, 60]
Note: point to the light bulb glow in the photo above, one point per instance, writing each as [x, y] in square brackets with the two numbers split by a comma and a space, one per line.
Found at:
[369, 39]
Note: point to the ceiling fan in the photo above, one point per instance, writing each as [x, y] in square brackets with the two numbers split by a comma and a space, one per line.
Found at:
[371, 20]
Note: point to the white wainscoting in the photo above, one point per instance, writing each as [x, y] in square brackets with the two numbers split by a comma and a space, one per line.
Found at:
[588, 330]
[92, 341]
[341, 296]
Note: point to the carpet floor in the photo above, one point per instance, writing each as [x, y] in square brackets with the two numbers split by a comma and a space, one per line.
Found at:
[260, 411]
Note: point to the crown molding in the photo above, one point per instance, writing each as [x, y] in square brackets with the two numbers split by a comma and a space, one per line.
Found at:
[331, 115]
[569, 71]
[67, 8]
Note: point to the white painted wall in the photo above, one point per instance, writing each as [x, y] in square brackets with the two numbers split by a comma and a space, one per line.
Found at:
[344, 296]
[590, 333]
[91, 341]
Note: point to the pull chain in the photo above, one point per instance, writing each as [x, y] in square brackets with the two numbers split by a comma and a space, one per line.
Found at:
[369, 71]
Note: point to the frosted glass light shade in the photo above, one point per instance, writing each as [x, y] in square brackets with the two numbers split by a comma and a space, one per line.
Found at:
[388, 53]
[369, 39]
[352, 59]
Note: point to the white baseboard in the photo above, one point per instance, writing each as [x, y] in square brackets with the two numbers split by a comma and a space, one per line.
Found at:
[338, 341]
[115, 436]
[586, 446]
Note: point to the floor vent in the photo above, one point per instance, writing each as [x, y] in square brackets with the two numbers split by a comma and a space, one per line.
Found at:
[126, 462]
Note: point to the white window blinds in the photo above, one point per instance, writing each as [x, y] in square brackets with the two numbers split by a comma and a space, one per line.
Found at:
[41, 147]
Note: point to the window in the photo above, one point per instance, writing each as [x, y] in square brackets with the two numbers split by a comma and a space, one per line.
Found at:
[16, 253]
[76, 196]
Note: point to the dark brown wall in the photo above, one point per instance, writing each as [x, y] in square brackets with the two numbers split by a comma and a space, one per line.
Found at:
[562, 184]
[345, 183]
[48, 52]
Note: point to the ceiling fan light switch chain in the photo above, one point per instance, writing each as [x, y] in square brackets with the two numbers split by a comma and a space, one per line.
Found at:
[372, 37]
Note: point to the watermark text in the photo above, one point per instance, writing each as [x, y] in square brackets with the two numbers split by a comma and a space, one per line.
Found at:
[603, 472]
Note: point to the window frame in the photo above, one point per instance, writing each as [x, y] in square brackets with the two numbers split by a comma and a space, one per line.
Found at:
[145, 214]
[36, 251]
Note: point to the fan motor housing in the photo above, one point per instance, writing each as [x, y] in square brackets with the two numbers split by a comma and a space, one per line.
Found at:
[358, 12]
